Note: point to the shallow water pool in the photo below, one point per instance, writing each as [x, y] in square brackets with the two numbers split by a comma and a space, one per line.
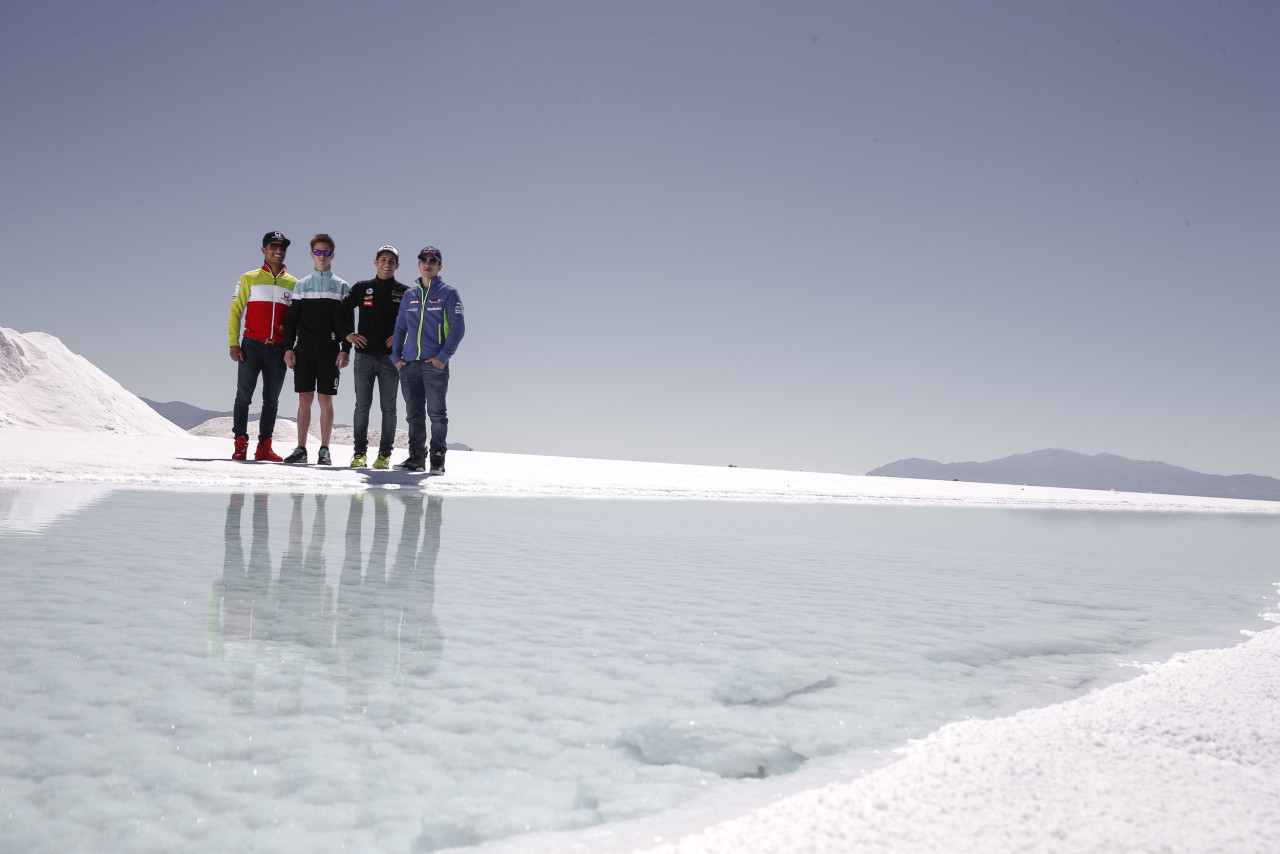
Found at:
[395, 672]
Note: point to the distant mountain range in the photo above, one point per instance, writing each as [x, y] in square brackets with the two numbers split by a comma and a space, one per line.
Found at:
[1055, 467]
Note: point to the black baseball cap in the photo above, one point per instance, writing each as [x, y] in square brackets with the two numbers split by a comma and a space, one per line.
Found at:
[275, 237]
[388, 249]
[430, 252]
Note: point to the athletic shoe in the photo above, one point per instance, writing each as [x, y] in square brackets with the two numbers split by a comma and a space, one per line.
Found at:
[437, 461]
[299, 455]
[323, 458]
[242, 448]
[382, 462]
[264, 452]
[415, 462]
[359, 461]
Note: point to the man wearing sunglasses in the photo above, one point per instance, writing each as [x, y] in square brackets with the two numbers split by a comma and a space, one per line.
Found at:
[378, 300]
[429, 327]
[316, 352]
[259, 304]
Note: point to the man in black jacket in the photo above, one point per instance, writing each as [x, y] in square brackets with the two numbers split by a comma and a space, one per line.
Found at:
[379, 301]
[316, 352]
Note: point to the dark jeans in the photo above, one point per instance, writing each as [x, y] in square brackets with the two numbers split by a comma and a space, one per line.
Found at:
[367, 369]
[268, 360]
[424, 387]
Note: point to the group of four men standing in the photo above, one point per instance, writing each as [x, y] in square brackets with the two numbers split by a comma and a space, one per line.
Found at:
[404, 339]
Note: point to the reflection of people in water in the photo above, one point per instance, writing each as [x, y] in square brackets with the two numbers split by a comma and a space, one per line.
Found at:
[303, 601]
[242, 593]
[303, 613]
[412, 585]
[386, 628]
[383, 632]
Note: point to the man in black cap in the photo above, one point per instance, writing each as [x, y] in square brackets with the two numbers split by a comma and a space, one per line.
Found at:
[260, 303]
[378, 300]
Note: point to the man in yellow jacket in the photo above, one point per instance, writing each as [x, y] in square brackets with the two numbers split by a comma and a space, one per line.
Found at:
[261, 301]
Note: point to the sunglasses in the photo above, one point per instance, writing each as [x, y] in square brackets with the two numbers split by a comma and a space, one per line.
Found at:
[322, 253]
[430, 259]
[279, 246]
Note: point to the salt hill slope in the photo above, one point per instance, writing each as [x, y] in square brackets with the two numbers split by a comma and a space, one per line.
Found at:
[44, 386]
[1054, 467]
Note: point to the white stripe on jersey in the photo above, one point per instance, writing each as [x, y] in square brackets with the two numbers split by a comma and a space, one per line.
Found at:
[270, 293]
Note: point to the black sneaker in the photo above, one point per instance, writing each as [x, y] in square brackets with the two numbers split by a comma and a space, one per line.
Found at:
[415, 462]
[437, 461]
[299, 455]
[323, 458]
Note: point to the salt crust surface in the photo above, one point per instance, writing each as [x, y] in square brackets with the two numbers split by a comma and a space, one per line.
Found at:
[197, 463]
[1183, 759]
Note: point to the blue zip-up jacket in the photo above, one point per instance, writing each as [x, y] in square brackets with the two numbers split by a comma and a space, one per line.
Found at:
[429, 324]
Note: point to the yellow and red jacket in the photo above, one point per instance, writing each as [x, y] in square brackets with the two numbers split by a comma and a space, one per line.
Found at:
[262, 301]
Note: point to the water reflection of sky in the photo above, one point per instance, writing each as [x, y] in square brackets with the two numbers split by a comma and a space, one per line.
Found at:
[390, 671]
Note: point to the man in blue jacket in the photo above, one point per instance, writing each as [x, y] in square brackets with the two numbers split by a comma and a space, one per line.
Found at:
[429, 327]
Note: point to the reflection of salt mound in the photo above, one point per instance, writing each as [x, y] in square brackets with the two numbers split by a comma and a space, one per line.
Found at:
[33, 507]
[44, 386]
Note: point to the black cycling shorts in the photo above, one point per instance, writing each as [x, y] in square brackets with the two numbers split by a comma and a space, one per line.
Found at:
[315, 369]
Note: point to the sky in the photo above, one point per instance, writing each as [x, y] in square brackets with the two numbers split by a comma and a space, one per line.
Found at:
[813, 235]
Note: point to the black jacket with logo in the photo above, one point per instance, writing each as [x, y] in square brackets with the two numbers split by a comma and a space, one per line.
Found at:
[312, 317]
[379, 302]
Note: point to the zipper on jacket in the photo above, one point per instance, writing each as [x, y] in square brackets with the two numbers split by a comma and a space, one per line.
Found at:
[422, 313]
[275, 282]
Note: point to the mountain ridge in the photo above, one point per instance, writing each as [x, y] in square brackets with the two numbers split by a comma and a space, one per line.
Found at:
[1069, 469]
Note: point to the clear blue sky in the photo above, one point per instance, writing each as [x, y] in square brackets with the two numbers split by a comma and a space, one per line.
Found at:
[820, 236]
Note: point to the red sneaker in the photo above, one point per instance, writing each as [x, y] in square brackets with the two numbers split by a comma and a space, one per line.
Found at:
[264, 452]
[242, 448]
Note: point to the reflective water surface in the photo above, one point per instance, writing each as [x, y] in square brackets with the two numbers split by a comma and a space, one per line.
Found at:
[396, 672]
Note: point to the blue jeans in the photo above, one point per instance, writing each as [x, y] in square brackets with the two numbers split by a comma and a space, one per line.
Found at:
[268, 360]
[367, 369]
[424, 387]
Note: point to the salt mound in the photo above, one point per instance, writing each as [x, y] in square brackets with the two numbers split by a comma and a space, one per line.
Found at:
[44, 386]
[286, 432]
